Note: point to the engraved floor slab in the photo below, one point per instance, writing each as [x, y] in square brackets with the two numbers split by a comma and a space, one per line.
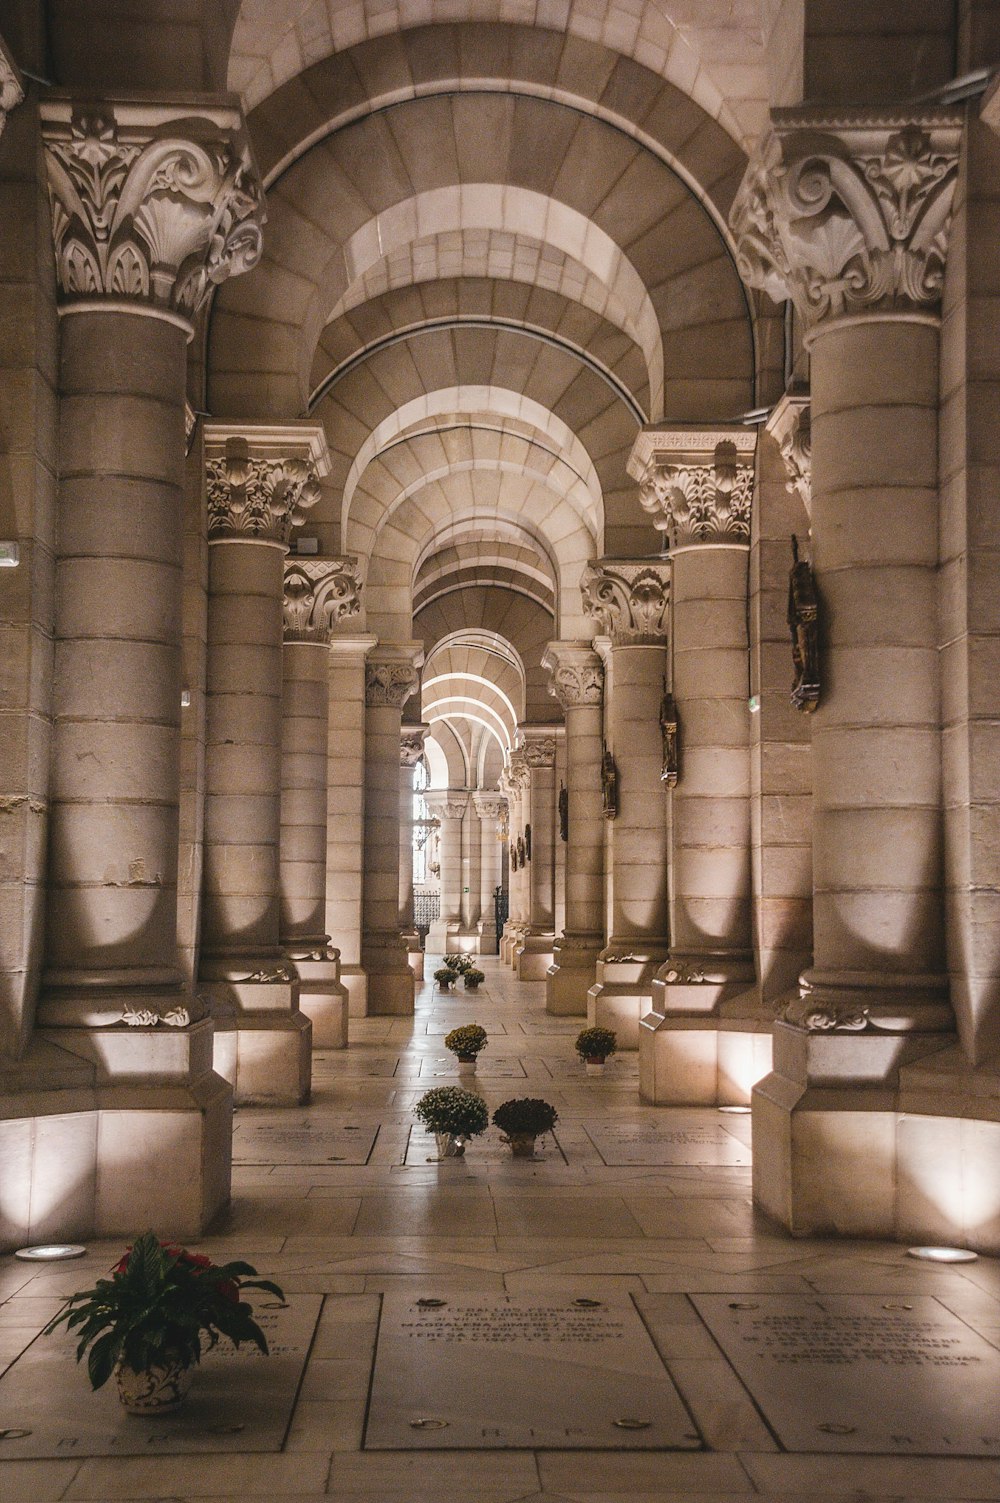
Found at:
[862, 1373]
[497, 1068]
[309, 1143]
[487, 1149]
[622, 1067]
[239, 1401]
[621, 1143]
[516, 1372]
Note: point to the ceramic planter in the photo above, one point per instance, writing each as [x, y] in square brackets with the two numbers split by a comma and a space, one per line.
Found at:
[159, 1389]
[466, 1064]
[594, 1066]
[522, 1144]
[450, 1145]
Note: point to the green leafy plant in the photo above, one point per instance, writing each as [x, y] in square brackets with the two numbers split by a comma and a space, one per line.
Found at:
[525, 1114]
[452, 1110]
[162, 1302]
[445, 975]
[474, 979]
[460, 963]
[466, 1041]
[596, 1043]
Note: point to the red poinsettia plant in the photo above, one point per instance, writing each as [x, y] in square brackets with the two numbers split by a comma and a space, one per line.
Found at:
[162, 1303]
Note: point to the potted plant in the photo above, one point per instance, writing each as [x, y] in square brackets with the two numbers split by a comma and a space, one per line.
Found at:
[466, 1042]
[594, 1045]
[473, 979]
[522, 1120]
[445, 976]
[149, 1323]
[453, 1116]
[460, 963]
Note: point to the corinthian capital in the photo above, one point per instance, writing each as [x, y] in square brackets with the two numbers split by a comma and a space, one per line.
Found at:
[696, 483]
[152, 203]
[538, 748]
[392, 675]
[576, 674]
[319, 592]
[11, 88]
[789, 426]
[261, 480]
[630, 597]
[849, 212]
[490, 805]
[516, 771]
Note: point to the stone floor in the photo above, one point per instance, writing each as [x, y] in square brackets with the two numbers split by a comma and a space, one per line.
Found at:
[567, 1224]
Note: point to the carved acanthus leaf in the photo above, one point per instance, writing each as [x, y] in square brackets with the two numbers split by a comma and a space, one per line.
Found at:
[411, 744]
[789, 426]
[696, 485]
[630, 597]
[256, 497]
[851, 213]
[574, 685]
[389, 684]
[319, 592]
[150, 204]
[540, 751]
[490, 805]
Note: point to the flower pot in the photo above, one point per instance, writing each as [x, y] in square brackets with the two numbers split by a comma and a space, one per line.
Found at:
[158, 1389]
[450, 1145]
[594, 1066]
[522, 1145]
[472, 986]
[466, 1064]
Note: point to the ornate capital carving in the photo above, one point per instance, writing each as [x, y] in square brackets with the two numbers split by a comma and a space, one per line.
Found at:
[539, 751]
[789, 426]
[517, 773]
[319, 592]
[411, 744]
[576, 674]
[850, 212]
[261, 480]
[11, 87]
[447, 803]
[392, 675]
[152, 203]
[490, 805]
[630, 598]
[697, 485]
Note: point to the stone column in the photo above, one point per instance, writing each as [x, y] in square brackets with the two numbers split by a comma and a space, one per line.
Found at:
[490, 808]
[533, 953]
[261, 479]
[391, 677]
[152, 204]
[411, 749]
[850, 219]
[698, 485]
[578, 684]
[631, 600]
[516, 778]
[319, 592]
[449, 804]
[345, 810]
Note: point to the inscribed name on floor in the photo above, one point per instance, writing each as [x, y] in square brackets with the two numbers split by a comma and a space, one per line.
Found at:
[879, 1374]
[507, 1372]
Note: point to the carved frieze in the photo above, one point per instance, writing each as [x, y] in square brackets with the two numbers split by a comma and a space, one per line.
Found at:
[696, 484]
[318, 593]
[152, 203]
[631, 599]
[849, 212]
[517, 771]
[490, 805]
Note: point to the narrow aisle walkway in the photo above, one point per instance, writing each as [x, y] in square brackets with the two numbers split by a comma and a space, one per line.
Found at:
[343, 1199]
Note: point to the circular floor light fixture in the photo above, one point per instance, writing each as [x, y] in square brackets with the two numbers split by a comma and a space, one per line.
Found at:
[51, 1252]
[736, 1111]
[943, 1254]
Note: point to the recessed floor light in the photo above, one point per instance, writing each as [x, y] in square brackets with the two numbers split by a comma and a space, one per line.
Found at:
[943, 1254]
[736, 1111]
[51, 1252]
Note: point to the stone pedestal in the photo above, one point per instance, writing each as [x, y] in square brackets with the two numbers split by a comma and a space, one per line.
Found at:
[318, 592]
[260, 482]
[532, 954]
[631, 598]
[391, 677]
[709, 976]
[114, 1016]
[578, 684]
[826, 1146]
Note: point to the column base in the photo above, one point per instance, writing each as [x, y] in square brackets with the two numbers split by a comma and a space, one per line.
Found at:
[263, 1043]
[355, 979]
[706, 1040]
[878, 1135]
[513, 936]
[486, 939]
[78, 1151]
[571, 975]
[623, 991]
[414, 955]
[391, 985]
[323, 998]
[533, 956]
